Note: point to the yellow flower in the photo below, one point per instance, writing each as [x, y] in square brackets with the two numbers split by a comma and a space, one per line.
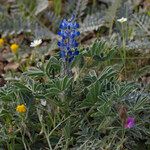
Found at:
[1, 42]
[21, 108]
[14, 48]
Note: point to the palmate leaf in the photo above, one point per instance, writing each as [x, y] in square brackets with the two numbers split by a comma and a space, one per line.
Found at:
[34, 72]
[25, 97]
[100, 51]
[58, 86]
[107, 73]
[21, 86]
[103, 110]
[6, 94]
[23, 92]
[106, 122]
[17, 92]
[121, 90]
[36, 87]
[57, 91]
[141, 104]
[90, 78]
[48, 69]
[53, 65]
[96, 88]
[92, 96]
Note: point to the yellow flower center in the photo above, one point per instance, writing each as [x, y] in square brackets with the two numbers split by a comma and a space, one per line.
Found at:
[21, 108]
[1, 42]
[14, 48]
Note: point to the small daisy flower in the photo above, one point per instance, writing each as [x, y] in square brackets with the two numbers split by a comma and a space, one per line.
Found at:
[35, 43]
[43, 102]
[14, 48]
[122, 20]
[21, 108]
[130, 122]
[1, 42]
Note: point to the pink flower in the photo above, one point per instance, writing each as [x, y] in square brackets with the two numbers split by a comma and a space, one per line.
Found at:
[130, 122]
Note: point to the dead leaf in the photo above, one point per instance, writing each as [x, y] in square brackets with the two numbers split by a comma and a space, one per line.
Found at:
[2, 81]
[3, 63]
[11, 66]
[122, 113]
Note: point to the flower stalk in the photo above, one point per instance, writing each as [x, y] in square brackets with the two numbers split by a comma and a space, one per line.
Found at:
[68, 44]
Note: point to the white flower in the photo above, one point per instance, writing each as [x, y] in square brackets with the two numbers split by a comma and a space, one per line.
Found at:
[36, 43]
[43, 102]
[121, 20]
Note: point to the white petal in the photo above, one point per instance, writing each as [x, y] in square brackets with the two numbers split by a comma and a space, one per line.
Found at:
[36, 43]
[121, 20]
[32, 44]
[43, 102]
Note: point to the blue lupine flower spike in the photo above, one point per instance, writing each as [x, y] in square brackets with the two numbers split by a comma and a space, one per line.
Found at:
[68, 44]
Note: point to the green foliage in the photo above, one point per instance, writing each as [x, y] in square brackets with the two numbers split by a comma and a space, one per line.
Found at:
[92, 22]
[80, 7]
[98, 123]
[143, 22]
[100, 51]
[57, 5]
[87, 108]
[111, 13]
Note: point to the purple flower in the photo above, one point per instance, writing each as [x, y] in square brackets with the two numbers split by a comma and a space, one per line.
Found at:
[68, 44]
[130, 122]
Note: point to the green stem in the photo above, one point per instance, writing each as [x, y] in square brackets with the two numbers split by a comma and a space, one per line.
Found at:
[47, 138]
[123, 47]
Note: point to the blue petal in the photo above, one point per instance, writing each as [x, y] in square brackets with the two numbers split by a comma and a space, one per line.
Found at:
[75, 25]
[63, 24]
[68, 48]
[66, 59]
[59, 33]
[72, 34]
[71, 59]
[76, 44]
[72, 18]
[61, 27]
[62, 54]
[59, 43]
[76, 53]
[63, 34]
[78, 33]
[69, 53]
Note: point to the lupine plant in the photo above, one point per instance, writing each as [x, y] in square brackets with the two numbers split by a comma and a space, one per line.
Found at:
[68, 44]
[95, 111]
[75, 99]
